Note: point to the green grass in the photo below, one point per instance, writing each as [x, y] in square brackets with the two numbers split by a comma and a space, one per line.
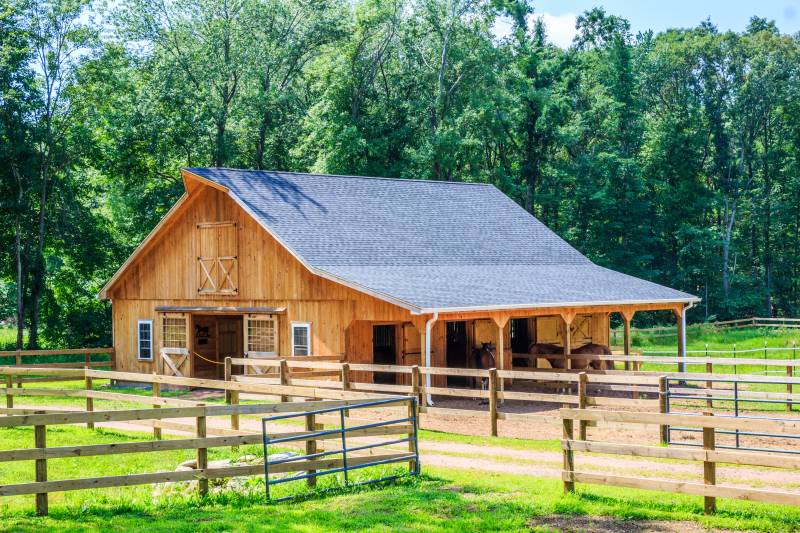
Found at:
[440, 500]
[8, 337]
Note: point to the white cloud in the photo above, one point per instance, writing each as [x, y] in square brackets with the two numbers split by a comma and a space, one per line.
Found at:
[560, 28]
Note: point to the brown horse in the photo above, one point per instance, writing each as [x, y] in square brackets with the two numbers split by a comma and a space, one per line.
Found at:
[592, 349]
[484, 360]
[544, 349]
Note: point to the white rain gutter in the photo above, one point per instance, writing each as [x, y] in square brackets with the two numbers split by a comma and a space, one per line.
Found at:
[428, 329]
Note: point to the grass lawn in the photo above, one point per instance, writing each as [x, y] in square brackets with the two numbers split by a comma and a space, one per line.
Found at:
[440, 500]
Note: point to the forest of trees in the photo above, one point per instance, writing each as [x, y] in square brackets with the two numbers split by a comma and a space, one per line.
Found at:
[669, 156]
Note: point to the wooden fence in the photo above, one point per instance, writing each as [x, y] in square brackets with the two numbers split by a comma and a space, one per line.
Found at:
[92, 358]
[574, 386]
[41, 453]
[751, 322]
[303, 378]
[708, 455]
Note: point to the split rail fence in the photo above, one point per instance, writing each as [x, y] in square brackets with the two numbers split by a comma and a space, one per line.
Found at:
[162, 415]
[68, 358]
[708, 455]
[751, 322]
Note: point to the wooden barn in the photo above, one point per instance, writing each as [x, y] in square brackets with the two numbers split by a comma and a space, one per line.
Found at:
[371, 270]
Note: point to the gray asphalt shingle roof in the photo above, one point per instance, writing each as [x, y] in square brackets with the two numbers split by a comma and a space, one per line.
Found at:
[428, 244]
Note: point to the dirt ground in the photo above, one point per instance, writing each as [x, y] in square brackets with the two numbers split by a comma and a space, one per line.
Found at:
[602, 524]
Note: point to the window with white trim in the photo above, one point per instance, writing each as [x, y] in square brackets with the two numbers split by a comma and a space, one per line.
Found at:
[301, 338]
[261, 336]
[144, 336]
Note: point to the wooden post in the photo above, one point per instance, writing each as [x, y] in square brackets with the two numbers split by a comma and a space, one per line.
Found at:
[19, 363]
[9, 396]
[500, 320]
[582, 386]
[709, 384]
[311, 447]
[89, 360]
[569, 459]
[566, 340]
[709, 469]
[627, 316]
[231, 396]
[235, 416]
[202, 456]
[412, 446]
[89, 399]
[678, 312]
[662, 407]
[789, 386]
[493, 400]
[345, 379]
[284, 376]
[40, 441]
[156, 394]
[415, 386]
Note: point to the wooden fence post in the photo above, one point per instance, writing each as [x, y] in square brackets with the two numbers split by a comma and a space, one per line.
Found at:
[40, 441]
[311, 447]
[709, 469]
[569, 458]
[89, 399]
[284, 377]
[709, 384]
[789, 386]
[19, 363]
[412, 446]
[345, 377]
[493, 400]
[662, 407]
[9, 396]
[582, 387]
[202, 457]
[415, 384]
[156, 394]
[231, 396]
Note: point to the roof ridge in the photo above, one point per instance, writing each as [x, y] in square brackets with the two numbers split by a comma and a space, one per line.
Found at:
[341, 176]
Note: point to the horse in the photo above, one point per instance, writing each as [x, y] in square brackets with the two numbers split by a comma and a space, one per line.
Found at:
[484, 360]
[594, 364]
[544, 349]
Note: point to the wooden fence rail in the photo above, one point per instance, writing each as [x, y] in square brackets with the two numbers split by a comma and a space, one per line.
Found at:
[41, 453]
[17, 358]
[708, 455]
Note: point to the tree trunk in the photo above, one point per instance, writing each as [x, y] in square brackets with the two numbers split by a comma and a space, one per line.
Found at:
[20, 270]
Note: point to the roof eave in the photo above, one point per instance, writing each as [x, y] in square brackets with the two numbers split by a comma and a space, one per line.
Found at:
[467, 309]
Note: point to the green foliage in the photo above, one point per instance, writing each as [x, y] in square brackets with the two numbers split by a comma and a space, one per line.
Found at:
[673, 157]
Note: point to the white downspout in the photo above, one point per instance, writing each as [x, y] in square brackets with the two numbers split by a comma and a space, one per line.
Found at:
[428, 328]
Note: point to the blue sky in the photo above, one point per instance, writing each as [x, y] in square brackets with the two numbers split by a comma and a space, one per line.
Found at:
[559, 15]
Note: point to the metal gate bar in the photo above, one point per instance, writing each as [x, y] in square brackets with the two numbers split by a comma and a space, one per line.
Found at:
[345, 450]
[736, 400]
